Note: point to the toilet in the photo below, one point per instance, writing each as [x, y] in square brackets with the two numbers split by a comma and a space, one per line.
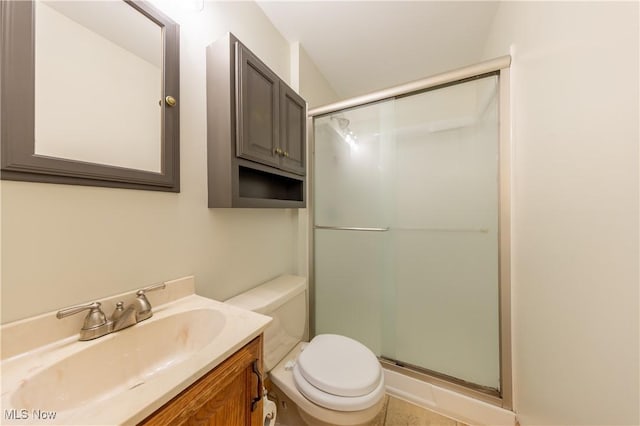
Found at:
[333, 379]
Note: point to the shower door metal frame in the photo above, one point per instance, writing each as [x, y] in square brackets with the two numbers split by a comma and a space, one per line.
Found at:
[500, 67]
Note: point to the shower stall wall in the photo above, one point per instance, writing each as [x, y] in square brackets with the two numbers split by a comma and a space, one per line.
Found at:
[407, 229]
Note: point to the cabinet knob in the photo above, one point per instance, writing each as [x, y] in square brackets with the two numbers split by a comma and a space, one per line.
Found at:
[171, 101]
[278, 151]
[286, 154]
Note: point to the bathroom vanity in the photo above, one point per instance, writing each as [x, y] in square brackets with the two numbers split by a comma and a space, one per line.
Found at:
[193, 359]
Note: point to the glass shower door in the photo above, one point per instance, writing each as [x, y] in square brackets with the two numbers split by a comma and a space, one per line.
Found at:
[352, 218]
[406, 229]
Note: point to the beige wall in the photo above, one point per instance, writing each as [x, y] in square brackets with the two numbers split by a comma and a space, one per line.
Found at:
[313, 86]
[575, 209]
[63, 245]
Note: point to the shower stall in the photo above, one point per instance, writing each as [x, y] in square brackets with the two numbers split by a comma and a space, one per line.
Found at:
[410, 241]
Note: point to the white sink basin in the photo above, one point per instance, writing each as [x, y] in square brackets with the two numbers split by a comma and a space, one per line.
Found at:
[123, 377]
[119, 361]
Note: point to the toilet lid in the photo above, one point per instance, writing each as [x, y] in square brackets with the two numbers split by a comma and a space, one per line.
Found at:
[339, 365]
[337, 403]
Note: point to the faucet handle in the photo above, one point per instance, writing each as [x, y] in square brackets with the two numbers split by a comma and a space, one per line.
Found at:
[144, 307]
[95, 317]
[153, 287]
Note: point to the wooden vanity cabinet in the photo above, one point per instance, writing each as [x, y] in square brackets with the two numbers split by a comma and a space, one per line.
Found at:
[256, 132]
[223, 397]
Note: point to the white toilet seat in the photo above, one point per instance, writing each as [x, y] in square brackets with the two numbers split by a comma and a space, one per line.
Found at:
[335, 402]
[339, 373]
[339, 365]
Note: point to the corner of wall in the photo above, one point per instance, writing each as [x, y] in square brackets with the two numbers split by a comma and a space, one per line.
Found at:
[313, 85]
[294, 59]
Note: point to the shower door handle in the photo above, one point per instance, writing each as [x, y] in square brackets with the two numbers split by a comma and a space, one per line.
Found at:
[350, 228]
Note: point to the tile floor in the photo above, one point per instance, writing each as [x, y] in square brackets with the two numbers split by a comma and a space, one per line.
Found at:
[402, 413]
[396, 412]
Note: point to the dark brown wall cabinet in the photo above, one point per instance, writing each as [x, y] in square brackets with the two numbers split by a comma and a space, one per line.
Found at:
[256, 132]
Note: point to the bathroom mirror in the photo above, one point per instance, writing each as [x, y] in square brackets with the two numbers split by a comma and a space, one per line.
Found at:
[90, 94]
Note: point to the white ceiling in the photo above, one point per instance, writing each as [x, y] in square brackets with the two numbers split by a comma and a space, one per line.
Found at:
[363, 46]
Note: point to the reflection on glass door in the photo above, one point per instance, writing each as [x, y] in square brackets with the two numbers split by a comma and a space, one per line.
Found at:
[406, 229]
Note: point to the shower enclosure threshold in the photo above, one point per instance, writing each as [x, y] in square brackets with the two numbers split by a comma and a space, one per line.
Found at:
[486, 393]
[445, 397]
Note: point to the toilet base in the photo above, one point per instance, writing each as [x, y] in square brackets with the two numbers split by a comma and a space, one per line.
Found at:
[378, 420]
[290, 415]
[314, 415]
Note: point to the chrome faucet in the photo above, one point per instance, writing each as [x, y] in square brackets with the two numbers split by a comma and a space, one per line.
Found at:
[123, 318]
[96, 323]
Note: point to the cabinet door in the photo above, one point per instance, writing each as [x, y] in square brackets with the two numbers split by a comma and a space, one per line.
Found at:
[293, 130]
[257, 106]
[223, 397]
[226, 408]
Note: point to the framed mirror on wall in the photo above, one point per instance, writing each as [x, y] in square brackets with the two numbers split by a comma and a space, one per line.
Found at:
[89, 94]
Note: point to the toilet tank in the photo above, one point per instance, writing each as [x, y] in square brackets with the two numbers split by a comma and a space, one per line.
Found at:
[283, 299]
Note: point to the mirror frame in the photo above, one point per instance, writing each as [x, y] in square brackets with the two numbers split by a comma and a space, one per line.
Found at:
[17, 110]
